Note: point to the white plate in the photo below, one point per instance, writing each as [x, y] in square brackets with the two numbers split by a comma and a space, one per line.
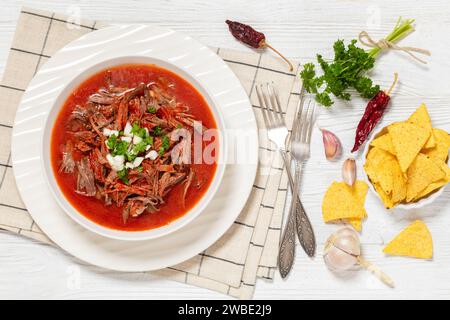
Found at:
[209, 71]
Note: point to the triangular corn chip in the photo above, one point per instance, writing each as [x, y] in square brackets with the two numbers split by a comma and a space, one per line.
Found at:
[440, 150]
[422, 119]
[385, 198]
[361, 192]
[422, 172]
[414, 241]
[378, 168]
[408, 139]
[384, 142]
[342, 201]
[437, 184]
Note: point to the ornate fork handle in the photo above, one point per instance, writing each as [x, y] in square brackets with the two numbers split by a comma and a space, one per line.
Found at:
[287, 248]
[302, 224]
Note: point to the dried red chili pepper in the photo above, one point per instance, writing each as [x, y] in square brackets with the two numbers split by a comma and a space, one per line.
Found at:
[373, 113]
[252, 38]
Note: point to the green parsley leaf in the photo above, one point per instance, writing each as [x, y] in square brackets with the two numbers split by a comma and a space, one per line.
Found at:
[151, 109]
[161, 151]
[344, 72]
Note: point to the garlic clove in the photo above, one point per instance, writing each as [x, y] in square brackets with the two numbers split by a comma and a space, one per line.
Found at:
[331, 144]
[349, 171]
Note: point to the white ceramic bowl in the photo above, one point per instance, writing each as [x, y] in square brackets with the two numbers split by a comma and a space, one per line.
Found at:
[120, 234]
[406, 206]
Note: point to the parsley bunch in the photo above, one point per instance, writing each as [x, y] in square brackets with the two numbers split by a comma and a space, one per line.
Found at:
[348, 69]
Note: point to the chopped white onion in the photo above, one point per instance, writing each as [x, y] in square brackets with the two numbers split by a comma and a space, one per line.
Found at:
[127, 139]
[137, 161]
[116, 162]
[109, 132]
[127, 130]
[136, 139]
[152, 155]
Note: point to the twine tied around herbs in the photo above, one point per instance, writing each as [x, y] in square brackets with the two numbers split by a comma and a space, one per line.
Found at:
[384, 44]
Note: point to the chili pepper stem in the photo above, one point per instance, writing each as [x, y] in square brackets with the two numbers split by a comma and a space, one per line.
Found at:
[265, 44]
[393, 84]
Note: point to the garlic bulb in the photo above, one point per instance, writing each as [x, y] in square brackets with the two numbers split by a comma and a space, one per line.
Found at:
[343, 252]
[331, 144]
[349, 171]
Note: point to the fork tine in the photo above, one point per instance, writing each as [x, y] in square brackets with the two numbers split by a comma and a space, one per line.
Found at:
[263, 108]
[303, 133]
[311, 123]
[275, 103]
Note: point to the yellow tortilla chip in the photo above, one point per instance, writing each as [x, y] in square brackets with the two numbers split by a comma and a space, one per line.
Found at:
[385, 198]
[437, 184]
[422, 172]
[384, 142]
[422, 119]
[355, 223]
[408, 139]
[361, 192]
[342, 201]
[414, 241]
[440, 150]
[378, 168]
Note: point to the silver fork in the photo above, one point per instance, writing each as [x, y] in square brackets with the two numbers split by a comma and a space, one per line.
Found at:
[300, 149]
[277, 133]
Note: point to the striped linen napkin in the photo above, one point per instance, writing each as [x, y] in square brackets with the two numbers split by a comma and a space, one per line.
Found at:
[248, 250]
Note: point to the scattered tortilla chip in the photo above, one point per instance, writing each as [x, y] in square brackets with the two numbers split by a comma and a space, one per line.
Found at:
[422, 119]
[342, 201]
[361, 192]
[422, 172]
[414, 241]
[408, 139]
[384, 142]
[440, 150]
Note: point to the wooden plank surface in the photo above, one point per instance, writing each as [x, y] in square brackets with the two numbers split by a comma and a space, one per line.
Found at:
[300, 29]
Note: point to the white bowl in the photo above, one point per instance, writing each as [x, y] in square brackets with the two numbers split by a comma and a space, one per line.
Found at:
[406, 206]
[120, 234]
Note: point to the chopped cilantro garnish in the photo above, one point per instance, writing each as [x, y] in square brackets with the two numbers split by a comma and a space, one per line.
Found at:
[165, 142]
[120, 148]
[151, 109]
[138, 131]
[111, 142]
[139, 169]
[157, 131]
[117, 147]
[140, 147]
[123, 175]
[148, 140]
[161, 151]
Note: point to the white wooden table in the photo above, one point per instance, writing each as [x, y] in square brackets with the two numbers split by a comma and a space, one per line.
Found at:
[300, 29]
